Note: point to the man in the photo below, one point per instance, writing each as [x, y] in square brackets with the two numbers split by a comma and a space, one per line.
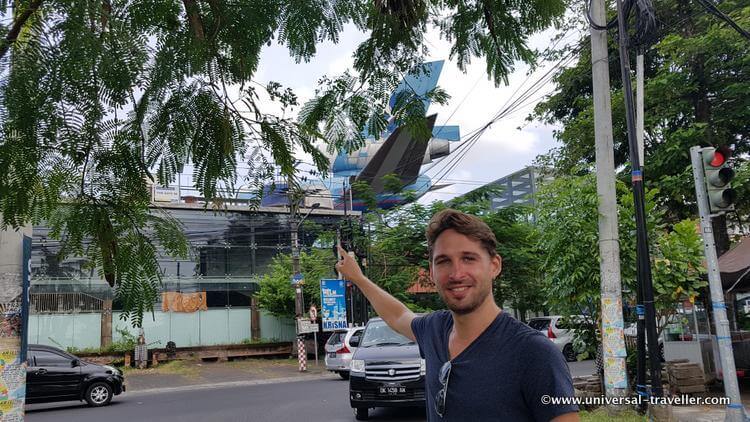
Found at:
[481, 363]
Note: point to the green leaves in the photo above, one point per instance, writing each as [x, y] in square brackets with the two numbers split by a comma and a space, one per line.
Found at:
[496, 31]
[696, 85]
[567, 218]
[276, 292]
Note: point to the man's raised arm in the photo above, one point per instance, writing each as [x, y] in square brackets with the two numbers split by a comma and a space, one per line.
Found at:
[393, 312]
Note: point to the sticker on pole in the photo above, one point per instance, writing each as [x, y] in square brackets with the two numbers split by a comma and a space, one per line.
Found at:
[333, 304]
[298, 278]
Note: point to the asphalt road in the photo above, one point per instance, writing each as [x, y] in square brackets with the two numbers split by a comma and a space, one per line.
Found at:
[305, 401]
[300, 401]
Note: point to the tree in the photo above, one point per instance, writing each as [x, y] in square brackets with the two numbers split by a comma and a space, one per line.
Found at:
[520, 282]
[567, 218]
[398, 254]
[98, 97]
[697, 81]
[277, 294]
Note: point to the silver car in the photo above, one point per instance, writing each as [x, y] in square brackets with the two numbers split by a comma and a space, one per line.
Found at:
[556, 328]
[339, 351]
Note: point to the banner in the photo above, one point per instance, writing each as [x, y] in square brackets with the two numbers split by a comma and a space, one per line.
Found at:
[333, 304]
[183, 302]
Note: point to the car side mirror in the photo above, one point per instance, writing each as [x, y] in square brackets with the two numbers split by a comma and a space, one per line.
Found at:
[74, 363]
[354, 341]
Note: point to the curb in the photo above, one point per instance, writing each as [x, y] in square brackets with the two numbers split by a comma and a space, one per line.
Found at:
[228, 384]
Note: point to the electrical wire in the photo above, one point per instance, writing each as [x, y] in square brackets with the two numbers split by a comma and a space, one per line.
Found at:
[712, 9]
[610, 25]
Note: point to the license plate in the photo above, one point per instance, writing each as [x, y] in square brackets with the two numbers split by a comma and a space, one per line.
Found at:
[392, 391]
[332, 355]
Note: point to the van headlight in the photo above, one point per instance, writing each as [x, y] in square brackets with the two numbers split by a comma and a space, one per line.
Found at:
[422, 367]
[358, 365]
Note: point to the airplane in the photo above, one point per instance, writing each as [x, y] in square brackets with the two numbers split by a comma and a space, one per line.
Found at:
[395, 151]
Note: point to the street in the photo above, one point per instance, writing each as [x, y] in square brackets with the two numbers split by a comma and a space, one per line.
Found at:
[311, 400]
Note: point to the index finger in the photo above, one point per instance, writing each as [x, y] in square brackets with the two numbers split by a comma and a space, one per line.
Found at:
[342, 251]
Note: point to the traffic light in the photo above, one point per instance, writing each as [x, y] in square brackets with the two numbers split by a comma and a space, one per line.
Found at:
[718, 174]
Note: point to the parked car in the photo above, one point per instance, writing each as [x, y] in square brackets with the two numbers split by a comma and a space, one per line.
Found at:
[386, 370]
[557, 329]
[339, 351]
[55, 375]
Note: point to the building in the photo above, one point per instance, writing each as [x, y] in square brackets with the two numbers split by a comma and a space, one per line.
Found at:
[205, 299]
[519, 188]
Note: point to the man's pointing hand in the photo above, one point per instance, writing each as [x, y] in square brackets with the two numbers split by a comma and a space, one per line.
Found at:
[348, 266]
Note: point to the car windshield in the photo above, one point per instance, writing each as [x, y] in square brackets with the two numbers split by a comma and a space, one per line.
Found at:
[539, 324]
[378, 333]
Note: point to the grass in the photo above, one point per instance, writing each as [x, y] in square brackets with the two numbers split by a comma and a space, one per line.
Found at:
[601, 415]
[174, 367]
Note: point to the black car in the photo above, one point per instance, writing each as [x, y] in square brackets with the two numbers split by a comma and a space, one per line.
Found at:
[55, 375]
[386, 370]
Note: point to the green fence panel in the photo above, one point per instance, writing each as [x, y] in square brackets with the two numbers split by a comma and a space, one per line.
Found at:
[79, 331]
[239, 325]
[274, 328]
[214, 327]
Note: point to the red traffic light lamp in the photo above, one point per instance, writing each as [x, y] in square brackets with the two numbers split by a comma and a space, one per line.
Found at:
[718, 175]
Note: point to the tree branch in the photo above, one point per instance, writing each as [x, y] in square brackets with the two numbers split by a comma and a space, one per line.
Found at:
[216, 11]
[194, 16]
[18, 24]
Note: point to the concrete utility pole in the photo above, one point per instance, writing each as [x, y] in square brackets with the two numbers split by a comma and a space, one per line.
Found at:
[297, 276]
[13, 375]
[735, 410]
[613, 342]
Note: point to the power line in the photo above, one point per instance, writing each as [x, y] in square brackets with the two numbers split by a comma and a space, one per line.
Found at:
[712, 9]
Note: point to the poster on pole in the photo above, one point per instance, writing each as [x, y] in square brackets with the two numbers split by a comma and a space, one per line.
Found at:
[333, 304]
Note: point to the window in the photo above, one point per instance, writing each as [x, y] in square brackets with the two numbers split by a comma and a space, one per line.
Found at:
[378, 333]
[539, 323]
[563, 324]
[44, 358]
[336, 338]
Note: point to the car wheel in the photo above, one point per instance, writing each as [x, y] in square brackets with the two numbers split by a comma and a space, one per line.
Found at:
[361, 413]
[98, 394]
[569, 353]
[344, 375]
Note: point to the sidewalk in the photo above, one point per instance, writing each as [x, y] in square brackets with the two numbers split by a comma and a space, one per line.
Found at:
[182, 374]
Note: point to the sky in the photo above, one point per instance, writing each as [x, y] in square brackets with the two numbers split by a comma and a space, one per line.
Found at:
[507, 146]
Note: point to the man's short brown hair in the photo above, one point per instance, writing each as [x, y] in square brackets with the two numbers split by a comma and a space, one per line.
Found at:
[467, 225]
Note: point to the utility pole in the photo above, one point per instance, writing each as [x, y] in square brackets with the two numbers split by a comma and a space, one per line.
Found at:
[735, 410]
[15, 247]
[613, 342]
[645, 285]
[297, 280]
[297, 276]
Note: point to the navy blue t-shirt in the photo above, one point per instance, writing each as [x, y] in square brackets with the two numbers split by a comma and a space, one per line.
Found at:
[501, 376]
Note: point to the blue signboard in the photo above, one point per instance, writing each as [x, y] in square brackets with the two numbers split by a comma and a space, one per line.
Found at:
[333, 301]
